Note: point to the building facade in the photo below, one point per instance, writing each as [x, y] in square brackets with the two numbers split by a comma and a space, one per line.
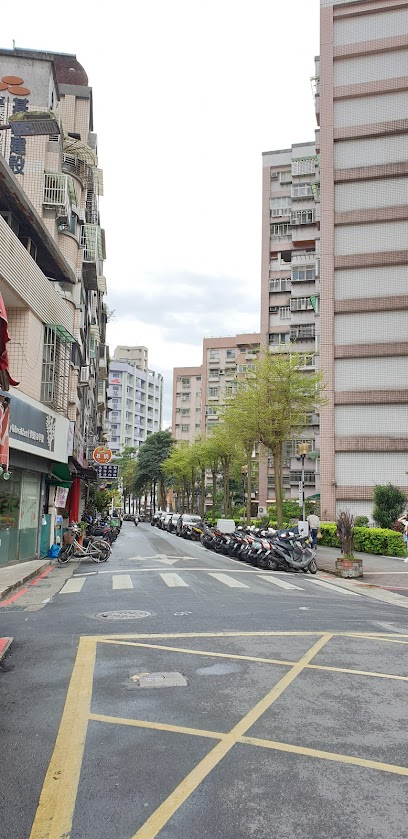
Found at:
[290, 291]
[135, 396]
[187, 403]
[362, 110]
[51, 274]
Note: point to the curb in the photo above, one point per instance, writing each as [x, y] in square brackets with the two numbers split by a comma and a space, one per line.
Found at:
[5, 591]
[4, 645]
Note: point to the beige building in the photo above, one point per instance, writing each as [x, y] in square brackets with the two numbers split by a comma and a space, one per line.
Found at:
[290, 291]
[362, 106]
[135, 397]
[198, 392]
[51, 271]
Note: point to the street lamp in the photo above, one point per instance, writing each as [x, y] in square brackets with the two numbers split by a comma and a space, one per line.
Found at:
[303, 451]
[29, 124]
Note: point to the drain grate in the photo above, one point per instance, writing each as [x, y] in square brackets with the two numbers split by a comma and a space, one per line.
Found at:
[124, 615]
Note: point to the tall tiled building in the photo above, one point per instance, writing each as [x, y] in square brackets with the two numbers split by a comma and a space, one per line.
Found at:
[50, 225]
[362, 109]
[135, 396]
[290, 290]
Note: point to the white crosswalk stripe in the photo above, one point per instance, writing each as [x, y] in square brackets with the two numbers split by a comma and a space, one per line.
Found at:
[173, 580]
[121, 581]
[280, 583]
[72, 586]
[227, 580]
[337, 589]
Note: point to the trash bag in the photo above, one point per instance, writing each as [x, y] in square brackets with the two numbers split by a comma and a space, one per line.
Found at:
[53, 551]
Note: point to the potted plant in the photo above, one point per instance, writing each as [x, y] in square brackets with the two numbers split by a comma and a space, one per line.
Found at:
[347, 565]
[82, 530]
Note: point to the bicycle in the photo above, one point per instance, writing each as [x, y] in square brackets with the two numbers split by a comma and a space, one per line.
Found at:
[97, 549]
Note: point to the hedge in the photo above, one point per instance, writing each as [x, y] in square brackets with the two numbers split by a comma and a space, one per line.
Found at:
[372, 540]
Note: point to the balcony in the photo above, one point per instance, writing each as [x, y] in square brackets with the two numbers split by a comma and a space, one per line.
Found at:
[57, 194]
[302, 332]
[93, 254]
[303, 217]
[302, 257]
[73, 166]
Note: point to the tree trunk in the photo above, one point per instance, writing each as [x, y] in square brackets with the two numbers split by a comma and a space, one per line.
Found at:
[202, 499]
[183, 494]
[154, 497]
[277, 468]
[145, 502]
[214, 487]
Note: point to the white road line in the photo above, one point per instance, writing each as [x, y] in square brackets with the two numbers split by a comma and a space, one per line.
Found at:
[72, 586]
[173, 580]
[121, 581]
[338, 589]
[280, 583]
[228, 581]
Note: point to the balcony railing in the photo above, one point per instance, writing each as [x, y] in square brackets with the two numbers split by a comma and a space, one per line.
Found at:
[73, 166]
[56, 193]
[92, 243]
[301, 257]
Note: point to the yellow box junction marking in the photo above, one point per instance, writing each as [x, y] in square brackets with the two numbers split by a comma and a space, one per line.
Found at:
[53, 819]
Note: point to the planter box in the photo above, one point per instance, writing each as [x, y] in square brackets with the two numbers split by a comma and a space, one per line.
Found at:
[349, 567]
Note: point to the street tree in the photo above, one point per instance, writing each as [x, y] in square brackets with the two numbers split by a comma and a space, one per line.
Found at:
[151, 456]
[126, 461]
[225, 449]
[276, 400]
[202, 458]
[178, 468]
[240, 418]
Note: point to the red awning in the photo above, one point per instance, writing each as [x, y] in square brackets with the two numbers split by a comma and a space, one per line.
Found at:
[5, 378]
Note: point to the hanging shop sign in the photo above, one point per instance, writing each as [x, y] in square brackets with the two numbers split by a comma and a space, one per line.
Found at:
[107, 471]
[4, 431]
[102, 455]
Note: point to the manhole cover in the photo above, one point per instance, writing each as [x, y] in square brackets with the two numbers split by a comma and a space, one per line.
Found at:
[159, 680]
[125, 615]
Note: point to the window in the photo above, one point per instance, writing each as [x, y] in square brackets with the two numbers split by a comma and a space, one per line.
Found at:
[185, 427]
[278, 338]
[245, 368]
[299, 304]
[185, 382]
[302, 332]
[231, 355]
[213, 392]
[304, 166]
[280, 230]
[115, 388]
[198, 378]
[279, 206]
[300, 275]
[55, 369]
[213, 372]
[303, 217]
[301, 191]
[285, 177]
[185, 397]
[279, 285]
[211, 411]
[214, 355]
[198, 410]
[296, 477]
[185, 412]
[284, 312]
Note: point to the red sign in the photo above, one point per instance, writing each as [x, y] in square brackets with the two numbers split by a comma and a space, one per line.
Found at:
[4, 431]
[5, 378]
[102, 455]
[114, 382]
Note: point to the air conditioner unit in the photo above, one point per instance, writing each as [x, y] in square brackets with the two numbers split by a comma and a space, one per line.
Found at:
[84, 375]
[273, 310]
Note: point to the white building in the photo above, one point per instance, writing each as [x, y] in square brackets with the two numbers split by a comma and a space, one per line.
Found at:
[135, 398]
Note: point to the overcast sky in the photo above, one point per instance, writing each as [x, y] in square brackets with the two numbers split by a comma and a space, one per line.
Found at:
[187, 96]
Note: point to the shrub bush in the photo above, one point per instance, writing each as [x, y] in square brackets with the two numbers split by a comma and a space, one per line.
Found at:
[372, 540]
[361, 521]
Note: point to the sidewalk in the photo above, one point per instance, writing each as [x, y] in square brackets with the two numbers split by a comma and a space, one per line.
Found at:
[13, 576]
[377, 570]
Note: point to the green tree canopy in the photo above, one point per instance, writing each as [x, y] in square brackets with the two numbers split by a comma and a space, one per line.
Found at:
[389, 503]
[151, 456]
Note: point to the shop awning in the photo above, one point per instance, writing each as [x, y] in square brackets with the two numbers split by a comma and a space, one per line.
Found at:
[84, 472]
[61, 476]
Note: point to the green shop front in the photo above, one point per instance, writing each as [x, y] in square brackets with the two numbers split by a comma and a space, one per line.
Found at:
[38, 439]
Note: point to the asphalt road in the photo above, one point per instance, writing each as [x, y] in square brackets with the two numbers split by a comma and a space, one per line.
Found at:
[236, 704]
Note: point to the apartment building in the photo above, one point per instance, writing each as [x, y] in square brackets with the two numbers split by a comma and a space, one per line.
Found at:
[362, 105]
[290, 291]
[52, 276]
[187, 403]
[135, 396]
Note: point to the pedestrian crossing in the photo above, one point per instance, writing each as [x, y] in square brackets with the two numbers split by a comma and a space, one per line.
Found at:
[253, 582]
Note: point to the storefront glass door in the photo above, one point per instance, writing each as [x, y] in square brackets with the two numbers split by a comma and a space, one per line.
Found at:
[29, 512]
[10, 492]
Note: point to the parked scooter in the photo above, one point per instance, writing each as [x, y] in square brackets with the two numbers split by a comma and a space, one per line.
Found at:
[290, 552]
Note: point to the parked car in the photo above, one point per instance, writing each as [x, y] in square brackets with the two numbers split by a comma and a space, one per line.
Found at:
[184, 519]
[128, 517]
[172, 523]
[165, 520]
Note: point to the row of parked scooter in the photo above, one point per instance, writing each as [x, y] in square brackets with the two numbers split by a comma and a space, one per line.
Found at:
[284, 550]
